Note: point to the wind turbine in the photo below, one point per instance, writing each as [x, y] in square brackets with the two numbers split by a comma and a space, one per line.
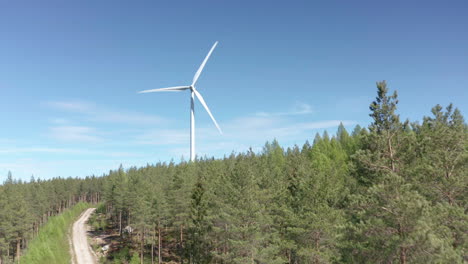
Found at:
[193, 92]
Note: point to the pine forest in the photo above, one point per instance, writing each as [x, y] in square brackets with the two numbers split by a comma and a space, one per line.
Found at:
[393, 192]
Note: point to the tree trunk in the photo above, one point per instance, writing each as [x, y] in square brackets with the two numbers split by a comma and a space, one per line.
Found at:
[18, 250]
[127, 218]
[120, 223]
[225, 241]
[390, 149]
[141, 246]
[152, 245]
[34, 229]
[181, 243]
[402, 255]
[159, 244]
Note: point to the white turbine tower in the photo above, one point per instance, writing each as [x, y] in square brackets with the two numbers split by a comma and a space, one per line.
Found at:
[193, 92]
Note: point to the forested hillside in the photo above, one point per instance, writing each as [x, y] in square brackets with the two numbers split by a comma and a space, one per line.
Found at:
[395, 192]
[26, 206]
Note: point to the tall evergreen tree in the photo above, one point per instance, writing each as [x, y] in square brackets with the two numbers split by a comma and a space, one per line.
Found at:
[392, 221]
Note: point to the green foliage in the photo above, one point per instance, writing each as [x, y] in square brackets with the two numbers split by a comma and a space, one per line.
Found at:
[198, 245]
[26, 207]
[383, 110]
[97, 221]
[135, 259]
[442, 166]
[401, 212]
[394, 192]
[51, 245]
[122, 256]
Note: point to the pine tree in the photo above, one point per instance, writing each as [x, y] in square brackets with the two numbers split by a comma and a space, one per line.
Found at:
[392, 221]
[6, 228]
[396, 224]
[18, 215]
[198, 244]
[317, 138]
[443, 163]
[441, 170]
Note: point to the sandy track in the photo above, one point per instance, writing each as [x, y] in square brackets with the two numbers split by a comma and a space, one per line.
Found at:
[83, 251]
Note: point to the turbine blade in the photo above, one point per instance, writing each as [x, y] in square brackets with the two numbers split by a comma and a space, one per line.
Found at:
[202, 101]
[168, 89]
[197, 74]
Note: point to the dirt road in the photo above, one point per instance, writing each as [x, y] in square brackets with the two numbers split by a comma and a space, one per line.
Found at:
[81, 248]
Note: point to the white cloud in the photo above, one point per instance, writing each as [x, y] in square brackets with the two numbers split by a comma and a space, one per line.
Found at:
[301, 109]
[126, 118]
[75, 134]
[64, 129]
[298, 109]
[239, 134]
[262, 129]
[44, 169]
[59, 121]
[163, 137]
[34, 149]
[152, 144]
[92, 112]
[326, 124]
[67, 151]
[23, 167]
[73, 106]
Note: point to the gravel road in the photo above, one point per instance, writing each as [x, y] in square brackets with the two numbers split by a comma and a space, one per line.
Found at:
[81, 248]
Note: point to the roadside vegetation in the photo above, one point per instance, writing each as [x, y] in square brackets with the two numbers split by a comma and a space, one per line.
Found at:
[25, 207]
[51, 245]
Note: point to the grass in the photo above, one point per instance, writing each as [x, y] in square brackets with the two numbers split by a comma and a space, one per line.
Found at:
[51, 246]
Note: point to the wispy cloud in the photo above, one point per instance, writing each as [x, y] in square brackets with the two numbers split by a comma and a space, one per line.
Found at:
[298, 109]
[92, 112]
[239, 134]
[45, 169]
[73, 151]
[73, 106]
[127, 118]
[75, 134]
[163, 137]
[265, 128]
[34, 150]
[59, 121]
[7, 141]
[93, 128]
[22, 167]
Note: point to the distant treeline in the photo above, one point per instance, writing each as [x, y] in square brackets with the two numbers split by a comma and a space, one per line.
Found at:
[395, 192]
[26, 206]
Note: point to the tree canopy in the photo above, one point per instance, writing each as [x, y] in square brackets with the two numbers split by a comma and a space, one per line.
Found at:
[395, 192]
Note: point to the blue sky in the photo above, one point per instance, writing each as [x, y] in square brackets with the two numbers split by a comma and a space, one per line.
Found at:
[70, 72]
